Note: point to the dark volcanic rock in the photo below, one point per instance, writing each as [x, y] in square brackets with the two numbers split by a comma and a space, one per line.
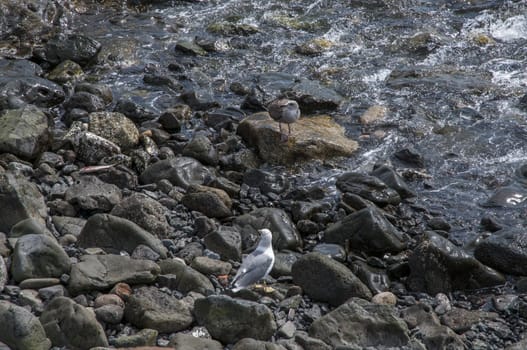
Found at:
[24, 132]
[202, 149]
[101, 272]
[31, 90]
[393, 180]
[38, 256]
[505, 250]
[90, 193]
[208, 203]
[368, 187]
[285, 234]
[19, 200]
[181, 171]
[116, 127]
[230, 320]
[366, 230]
[437, 265]
[72, 325]
[145, 212]
[115, 234]
[20, 329]
[359, 323]
[327, 280]
[74, 47]
[148, 307]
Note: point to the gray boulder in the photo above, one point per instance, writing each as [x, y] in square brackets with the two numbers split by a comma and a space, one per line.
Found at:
[183, 341]
[148, 307]
[115, 127]
[75, 47]
[91, 148]
[3, 273]
[225, 241]
[368, 231]
[19, 200]
[285, 234]
[145, 337]
[102, 272]
[37, 256]
[437, 265]
[115, 234]
[253, 344]
[20, 329]
[230, 320]
[145, 212]
[208, 203]
[359, 323]
[181, 171]
[72, 325]
[90, 193]
[505, 250]
[24, 132]
[325, 279]
[29, 226]
[187, 279]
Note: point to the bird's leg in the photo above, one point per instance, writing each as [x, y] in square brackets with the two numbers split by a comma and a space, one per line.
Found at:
[283, 137]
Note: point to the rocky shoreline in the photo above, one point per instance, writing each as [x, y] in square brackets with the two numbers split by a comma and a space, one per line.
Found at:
[121, 228]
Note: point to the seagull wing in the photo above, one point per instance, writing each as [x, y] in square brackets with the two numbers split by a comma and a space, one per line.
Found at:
[254, 267]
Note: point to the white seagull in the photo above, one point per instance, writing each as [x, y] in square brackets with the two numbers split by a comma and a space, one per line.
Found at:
[256, 265]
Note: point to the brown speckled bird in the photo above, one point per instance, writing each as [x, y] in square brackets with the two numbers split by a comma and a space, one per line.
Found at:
[284, 111]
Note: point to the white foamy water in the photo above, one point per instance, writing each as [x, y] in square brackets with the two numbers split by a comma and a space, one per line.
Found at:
[510, 29]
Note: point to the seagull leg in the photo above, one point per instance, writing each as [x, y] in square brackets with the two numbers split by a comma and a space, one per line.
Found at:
[283, 137]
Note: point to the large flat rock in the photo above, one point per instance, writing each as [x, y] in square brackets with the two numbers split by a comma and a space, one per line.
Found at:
[317, 137]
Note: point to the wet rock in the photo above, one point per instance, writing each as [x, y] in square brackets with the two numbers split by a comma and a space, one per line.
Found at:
[188, 279]
[145, 337]
[102, 91]
[225, 241]
[437, 265]
[266, 181]
[202, 149]
[314, 47]
[359, 323]
[148, 307]
[505, 250]
[101, 272]
[230, 320]
[208, 202]
[285, 234]
[181, 171]
[90, 193]
[66, 71]
[72, 325]
[3, 274]
[366, 230]
[334, 251]
[134, 111]
[75, 47]
[24, 132]
[20, 199]
[410, 156]
[191, 98]
[368, 187]
[18, 91]
[172, 119]
[38, 256]
[83, 100]
[507, 197]
[393, 180]
[20, 329]
[183, 341]
[317, 137]
[115, 234]
[283, 263]
[373, 114]
[145, 212]
[327, 280]
[91, 149]
[190, 47]
[232, 29]
[208, 266]
[461, 320]
[431, 332]
[115, 127]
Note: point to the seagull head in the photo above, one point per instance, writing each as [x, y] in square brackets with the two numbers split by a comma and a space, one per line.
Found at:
[266, 238]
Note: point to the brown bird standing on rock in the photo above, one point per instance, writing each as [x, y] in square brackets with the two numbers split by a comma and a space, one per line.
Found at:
[284, 111]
